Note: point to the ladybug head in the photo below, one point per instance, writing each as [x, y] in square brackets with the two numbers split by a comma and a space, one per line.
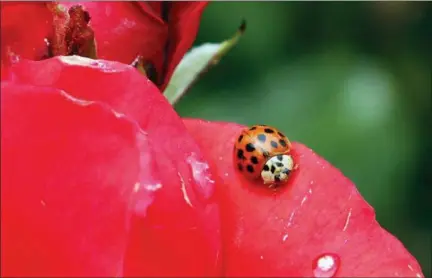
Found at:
[277, 169]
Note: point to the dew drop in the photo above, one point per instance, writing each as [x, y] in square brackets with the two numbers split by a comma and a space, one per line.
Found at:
[14, 58]
[326, 265]
[202, 176]
[103, 66]
[128, 23]
[148, 184]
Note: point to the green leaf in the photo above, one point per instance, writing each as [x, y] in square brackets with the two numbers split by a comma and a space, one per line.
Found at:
[196, 62]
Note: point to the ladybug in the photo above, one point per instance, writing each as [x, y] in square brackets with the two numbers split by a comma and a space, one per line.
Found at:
[262, 152]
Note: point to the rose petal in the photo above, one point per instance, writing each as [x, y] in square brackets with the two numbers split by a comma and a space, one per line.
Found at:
[123, 30]
[140, 29]
[319, 211]
[68, 175]
[24, 29]
[181, 227]
[183, 21]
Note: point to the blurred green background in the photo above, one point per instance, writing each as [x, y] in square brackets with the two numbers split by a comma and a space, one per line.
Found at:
[350, 80]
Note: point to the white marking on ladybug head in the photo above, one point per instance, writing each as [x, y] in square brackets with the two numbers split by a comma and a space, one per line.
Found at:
[277, 168]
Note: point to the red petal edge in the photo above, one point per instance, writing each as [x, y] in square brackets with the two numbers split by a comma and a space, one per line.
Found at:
[184, 22]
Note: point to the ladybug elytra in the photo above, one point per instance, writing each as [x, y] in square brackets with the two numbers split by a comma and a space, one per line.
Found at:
[262, 152]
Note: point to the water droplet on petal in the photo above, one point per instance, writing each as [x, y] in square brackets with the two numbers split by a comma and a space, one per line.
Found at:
[145, 189]
[326, 265]
[14, 58]
[102, 66]
[202, 176]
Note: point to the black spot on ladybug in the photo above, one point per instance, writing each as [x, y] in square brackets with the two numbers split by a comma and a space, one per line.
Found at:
[282, 142]
[240, 138]
[253, 128]
[240, 154]
[250, 147]
[240, 167]
[268, 130]
[274, 144]
[277, 178]
[273, 169]
[250, 168]
[279, 157]
[279, 164]
[266, 168]
[261, 138]
[280, 134]
[254, 160]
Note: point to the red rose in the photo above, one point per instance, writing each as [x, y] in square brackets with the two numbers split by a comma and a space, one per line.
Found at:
[100, 176]
[159, 32]
[112, 183]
